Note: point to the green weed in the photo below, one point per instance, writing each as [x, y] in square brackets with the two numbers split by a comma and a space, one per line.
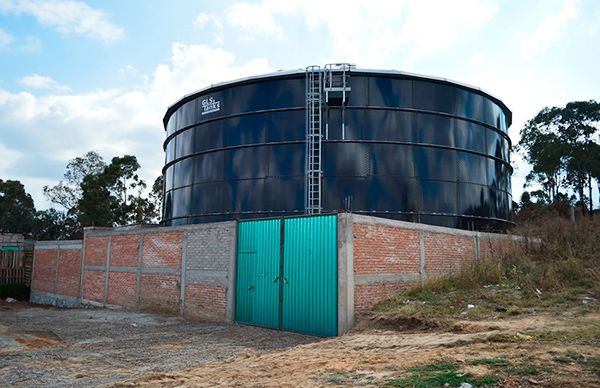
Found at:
[441, 375]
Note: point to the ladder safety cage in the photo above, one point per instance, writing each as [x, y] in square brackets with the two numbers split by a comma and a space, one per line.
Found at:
[334, 81]
[314, 99]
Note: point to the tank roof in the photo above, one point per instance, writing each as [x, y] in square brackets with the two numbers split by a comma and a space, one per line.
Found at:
[293, 73]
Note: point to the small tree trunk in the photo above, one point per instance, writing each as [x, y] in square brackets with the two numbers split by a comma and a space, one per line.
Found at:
[598, 183]
[582, 199]
[591, 198]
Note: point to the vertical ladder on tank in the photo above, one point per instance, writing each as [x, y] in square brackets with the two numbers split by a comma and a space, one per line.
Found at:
[314, 92]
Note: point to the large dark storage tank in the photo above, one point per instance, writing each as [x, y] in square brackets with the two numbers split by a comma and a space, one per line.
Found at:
[411, 148]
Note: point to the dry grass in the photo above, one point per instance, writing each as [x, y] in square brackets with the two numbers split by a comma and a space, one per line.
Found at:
[558, 273]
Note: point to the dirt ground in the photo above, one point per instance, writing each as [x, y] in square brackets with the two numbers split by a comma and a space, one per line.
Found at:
[100, 347]
[50, 347]
[376, 357]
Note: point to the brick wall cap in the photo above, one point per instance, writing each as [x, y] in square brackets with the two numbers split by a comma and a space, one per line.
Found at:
[371, 220]
[55, 244]
[92, 231]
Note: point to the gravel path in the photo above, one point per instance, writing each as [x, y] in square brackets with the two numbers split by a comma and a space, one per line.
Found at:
[77, 347]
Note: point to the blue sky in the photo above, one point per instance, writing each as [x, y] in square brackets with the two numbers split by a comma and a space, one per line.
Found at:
[76, 76]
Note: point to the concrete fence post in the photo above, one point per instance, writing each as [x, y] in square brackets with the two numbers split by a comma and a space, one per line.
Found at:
[182, 280]
[107, 268]
[345, 245]
[56, 268]
[138, 273]
[81, 267]
[231, 274]
[422, 275]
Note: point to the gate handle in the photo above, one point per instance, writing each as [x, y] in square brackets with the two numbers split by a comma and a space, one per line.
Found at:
[276, 279]
[250, 288]
[285, 281]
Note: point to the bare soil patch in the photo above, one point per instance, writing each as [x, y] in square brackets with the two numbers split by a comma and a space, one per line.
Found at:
[100, 347]
[374, 356]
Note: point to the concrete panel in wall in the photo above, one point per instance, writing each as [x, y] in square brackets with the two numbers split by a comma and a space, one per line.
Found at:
[209, 247]
[209, 271]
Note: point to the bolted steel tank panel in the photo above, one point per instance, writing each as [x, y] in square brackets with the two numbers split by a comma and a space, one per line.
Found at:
[404, 146]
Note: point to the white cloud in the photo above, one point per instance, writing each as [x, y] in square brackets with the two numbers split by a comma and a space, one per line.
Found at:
[431, 26]
[201, 20]
[68, 17]
[204, 20]
[253, 19]
[36, 81]
[132, 72]
[6, 39]
[373, 32]
[549, 30]
[60, 126]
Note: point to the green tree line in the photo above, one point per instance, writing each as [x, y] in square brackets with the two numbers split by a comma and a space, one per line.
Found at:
[91, 193]
[562, 144]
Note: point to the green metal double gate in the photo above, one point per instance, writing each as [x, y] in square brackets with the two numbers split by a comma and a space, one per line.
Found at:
[287, 274]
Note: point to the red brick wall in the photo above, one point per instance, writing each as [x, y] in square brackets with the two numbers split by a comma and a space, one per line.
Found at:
[160, 292]
[160, 278]
[93, 285]
[204, 301]
[44, 270]
[69, 271]
[380, 249]
[95, 250]
[124, 250]
[121, 288]
[163, 250]
[446, 253]
[367, 295]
